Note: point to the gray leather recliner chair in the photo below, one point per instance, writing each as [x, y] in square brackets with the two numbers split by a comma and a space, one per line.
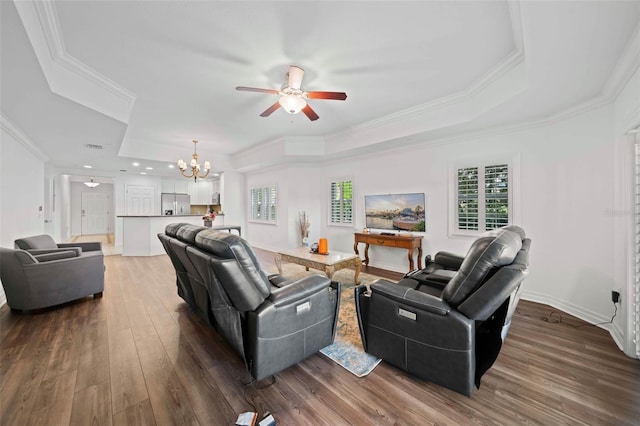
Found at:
[271, 322]
[448, 335]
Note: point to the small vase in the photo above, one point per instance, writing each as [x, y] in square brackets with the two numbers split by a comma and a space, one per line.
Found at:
[305, 241]
[208, 223]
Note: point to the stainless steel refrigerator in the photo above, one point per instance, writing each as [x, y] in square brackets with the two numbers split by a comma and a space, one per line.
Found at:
[176, 204]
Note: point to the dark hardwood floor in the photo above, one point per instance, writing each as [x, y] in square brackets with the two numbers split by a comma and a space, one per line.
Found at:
[139, 356]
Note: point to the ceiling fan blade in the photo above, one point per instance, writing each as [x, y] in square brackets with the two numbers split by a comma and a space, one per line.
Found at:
[295, 77]
[338, 96]
[255, 89]
[267, 112]
[310, 113]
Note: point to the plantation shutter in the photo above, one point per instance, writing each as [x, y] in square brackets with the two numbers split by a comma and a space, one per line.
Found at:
[273, 195]
[341, 203]
[636, 298]
[256, 203]
[496, 195]
[467, 196]
[482, 197]
[264, 204]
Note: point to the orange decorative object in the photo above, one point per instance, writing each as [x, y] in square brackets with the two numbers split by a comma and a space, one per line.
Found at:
[323, 246]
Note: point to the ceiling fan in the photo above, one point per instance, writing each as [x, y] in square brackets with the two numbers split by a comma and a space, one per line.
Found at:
[292, 98]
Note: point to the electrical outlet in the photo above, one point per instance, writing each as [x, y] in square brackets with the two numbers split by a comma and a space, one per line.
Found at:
[615, 296]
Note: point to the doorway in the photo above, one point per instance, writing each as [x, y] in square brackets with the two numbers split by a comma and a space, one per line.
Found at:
[95, 213]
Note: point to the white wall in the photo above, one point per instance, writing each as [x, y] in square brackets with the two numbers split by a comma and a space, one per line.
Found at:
[77, 188]
[233, 199]
[21, 194]
[626, 117]
[566, 180]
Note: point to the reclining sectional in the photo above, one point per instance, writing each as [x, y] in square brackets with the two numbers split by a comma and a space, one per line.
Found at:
[271, 322]
[446, 323]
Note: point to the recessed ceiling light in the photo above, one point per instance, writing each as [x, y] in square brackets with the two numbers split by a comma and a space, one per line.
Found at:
[143, 173]
[171, 166]
[149, 168]
[135, 163]
[88, 167]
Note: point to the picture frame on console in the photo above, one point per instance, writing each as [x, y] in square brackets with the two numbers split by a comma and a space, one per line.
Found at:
[396, 212]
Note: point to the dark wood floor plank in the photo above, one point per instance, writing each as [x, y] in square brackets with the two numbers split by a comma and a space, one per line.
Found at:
[54, 400]
[206, 397]
[18, 396]
[128, 387]
[8, 356]
[140, 356]
[92, 405]
[93, 366]
[140, 414]
[168, 398]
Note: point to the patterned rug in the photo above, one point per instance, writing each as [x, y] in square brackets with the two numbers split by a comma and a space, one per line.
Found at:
[346, 350]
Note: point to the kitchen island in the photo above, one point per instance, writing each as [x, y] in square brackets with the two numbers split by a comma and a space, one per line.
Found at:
[140, 233]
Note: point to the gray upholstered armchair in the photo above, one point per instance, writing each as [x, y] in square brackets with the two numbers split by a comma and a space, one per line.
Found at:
[43, 277]
[39, 244]
[448, 330]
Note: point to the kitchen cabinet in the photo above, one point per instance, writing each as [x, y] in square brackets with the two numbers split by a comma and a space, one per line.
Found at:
[178, 186]
[167, 185]
[182, 186]
[200, 191]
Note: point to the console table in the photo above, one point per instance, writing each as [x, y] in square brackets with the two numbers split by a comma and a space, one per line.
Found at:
[409, 242]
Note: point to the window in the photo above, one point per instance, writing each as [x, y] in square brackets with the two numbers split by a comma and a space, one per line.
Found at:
[264, 204]
[341, 203]
[482, 198]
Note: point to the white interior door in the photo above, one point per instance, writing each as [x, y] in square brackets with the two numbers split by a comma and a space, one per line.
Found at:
[95, 213]
[140, 200]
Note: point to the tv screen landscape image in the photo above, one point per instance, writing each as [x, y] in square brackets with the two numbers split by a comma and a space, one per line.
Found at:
[397, 212]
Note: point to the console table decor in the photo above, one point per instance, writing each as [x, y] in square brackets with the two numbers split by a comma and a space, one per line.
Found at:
[404, 241]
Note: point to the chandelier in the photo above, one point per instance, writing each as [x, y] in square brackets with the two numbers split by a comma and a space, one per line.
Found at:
[92, 184]
[194, 165]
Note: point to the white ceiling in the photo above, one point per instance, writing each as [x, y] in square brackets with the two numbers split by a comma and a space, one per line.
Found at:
[142, 79]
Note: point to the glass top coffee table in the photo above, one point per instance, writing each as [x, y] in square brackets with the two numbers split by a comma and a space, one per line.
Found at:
[328, 263]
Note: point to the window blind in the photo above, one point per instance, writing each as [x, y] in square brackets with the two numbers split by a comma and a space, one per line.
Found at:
[496, 190]
[264, 204]
[341, 203]
[467, 190]
[482, 197]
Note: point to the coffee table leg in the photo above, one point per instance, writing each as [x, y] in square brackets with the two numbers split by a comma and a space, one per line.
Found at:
[358, 265]
[278, 262]
[329, 271]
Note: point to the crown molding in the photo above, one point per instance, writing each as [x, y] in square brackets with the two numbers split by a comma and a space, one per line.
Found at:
[17, 134]
[67, 76]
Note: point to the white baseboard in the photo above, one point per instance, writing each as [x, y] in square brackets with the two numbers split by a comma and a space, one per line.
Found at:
[579, 312]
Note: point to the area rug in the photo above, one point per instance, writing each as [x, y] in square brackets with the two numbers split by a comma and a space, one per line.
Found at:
[346, 350]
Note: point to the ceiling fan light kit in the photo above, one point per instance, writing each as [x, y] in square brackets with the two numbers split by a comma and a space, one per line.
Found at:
[292, 98]
[292, 104]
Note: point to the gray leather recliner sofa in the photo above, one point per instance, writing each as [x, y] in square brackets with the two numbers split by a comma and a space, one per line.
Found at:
[271, 322]
[39, 277]
[448, 331]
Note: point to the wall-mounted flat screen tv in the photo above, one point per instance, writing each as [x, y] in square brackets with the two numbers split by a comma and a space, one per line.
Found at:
[398, 212]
